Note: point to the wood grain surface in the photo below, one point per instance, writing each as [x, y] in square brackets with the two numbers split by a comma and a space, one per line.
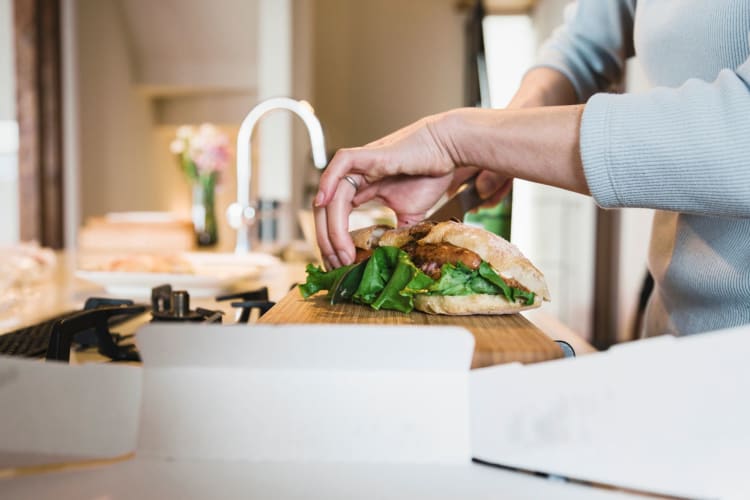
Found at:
[499, 339]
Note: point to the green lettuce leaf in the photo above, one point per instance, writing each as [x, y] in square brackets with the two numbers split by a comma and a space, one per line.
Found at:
[318, 279]
[377, 273]
[511, 293]
[460, 280]
[454, 280]
[391, 280]
[398, 292]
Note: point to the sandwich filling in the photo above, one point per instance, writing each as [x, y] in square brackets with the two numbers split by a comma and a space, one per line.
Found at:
[393, 276]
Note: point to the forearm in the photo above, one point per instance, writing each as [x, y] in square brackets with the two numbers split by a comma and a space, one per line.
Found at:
[540, 87]
[538, 144]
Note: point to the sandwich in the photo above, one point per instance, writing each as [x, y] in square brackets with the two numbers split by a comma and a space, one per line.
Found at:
[438, 268]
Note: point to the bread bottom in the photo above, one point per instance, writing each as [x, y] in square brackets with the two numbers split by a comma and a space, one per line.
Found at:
[464, 305]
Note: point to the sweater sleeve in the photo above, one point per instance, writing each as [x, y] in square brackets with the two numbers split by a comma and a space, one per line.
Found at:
[592, 45]
[683, 149]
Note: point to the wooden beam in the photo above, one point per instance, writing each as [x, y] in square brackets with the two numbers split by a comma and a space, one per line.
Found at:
[27, 106]
[37, 45]
[606, 278]
[50, 96]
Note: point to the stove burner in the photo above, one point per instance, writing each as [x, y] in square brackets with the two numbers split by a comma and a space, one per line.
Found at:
[90, 327]
[65, 330]
[255, 299]
[169, 305]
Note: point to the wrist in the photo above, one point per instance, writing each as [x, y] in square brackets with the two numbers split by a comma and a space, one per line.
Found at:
[452, 129]
[539, 144]
[474, 136]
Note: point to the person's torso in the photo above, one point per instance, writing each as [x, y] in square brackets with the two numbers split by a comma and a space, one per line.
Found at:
[680, 39]
[701, 264]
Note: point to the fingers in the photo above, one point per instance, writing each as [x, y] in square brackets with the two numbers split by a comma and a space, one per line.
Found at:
[407, 170]
[337, 213]
[345, 162]
[408, 219]
[332, 227]
[412, 150]
[489, 183]
[327, 253]
[365, 194]
[498, 196]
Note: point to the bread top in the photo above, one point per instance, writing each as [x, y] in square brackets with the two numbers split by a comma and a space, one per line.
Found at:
[405, 234]
[367, 238]
[504, 257]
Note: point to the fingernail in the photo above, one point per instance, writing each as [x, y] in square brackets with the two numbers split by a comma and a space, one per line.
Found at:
[345, 258]
[318, 199]
[326, 264]
[334, 261]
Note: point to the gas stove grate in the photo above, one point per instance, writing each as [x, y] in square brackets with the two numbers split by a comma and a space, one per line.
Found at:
[91, 327]
[53, 337]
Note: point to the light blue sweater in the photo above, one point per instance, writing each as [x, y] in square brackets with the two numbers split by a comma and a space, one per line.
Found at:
[682, 148]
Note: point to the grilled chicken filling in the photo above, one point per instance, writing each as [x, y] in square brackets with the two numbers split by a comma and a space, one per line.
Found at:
[430, 257]
[362, 254]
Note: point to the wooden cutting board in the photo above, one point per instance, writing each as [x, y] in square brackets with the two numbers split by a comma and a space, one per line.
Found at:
[499, 339]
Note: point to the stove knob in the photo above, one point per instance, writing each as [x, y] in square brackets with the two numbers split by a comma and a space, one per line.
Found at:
[180, 303]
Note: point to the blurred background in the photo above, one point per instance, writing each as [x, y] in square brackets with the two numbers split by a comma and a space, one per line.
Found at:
[92, 93]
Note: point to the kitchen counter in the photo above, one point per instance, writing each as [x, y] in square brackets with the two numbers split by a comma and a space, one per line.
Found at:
[63, 291]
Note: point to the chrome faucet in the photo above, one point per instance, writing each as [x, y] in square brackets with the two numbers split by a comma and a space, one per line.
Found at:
[242, 213]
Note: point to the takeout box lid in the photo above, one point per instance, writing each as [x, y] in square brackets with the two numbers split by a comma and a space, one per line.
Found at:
[270, 392]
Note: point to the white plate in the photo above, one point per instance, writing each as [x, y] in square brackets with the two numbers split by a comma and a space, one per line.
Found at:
[213, 273]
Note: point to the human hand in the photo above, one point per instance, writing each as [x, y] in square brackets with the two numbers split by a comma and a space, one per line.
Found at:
[408, 170]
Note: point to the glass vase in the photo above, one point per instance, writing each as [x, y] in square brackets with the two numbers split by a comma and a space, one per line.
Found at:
[204, 211]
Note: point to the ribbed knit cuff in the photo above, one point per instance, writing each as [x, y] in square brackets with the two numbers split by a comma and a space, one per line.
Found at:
[595, 143]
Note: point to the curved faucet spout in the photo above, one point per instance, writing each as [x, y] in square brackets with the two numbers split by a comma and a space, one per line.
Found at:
[241, 214]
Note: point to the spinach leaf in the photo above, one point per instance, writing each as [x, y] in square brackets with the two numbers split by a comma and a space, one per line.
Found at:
[398, 293]
[378, 271]
[318, 279]
[511, 293]
[391, 280]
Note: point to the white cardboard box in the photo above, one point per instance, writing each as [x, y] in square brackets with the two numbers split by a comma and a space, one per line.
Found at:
[337, 412]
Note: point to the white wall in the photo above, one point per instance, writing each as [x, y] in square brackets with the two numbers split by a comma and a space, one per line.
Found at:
[117, 172]
[9, 230]
[7, 71]
[127, 115]
[192, 45]
[303, 67]
[380, 65]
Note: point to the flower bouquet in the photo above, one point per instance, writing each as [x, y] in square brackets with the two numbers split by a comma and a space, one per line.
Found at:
[203, 153]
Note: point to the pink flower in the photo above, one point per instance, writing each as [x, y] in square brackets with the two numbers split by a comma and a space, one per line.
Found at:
[210, 149]
[206, 147]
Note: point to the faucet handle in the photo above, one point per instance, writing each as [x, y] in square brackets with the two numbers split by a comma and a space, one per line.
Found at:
[240, 215]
